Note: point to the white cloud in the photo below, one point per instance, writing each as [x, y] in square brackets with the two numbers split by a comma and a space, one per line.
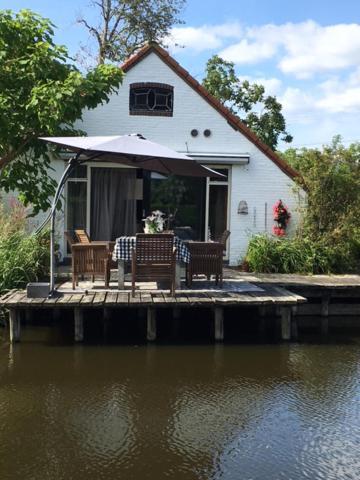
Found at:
[301, 49]
[206, 37]
[247, 52]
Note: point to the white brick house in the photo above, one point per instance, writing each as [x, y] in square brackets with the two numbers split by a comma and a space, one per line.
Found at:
[161, 101]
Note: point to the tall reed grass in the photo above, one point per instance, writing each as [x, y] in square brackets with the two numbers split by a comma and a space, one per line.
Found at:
[24, 257]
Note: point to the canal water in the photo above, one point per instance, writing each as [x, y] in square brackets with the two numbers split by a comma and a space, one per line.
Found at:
[247, 411]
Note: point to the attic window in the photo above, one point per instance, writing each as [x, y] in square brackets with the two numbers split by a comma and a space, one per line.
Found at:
[151, 99]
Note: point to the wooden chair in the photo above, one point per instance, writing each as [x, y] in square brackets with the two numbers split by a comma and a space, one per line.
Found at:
[154, 259]
[205, 258]
[92, 259]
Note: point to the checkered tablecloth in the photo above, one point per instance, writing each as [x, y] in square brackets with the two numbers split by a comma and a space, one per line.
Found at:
[124, 245]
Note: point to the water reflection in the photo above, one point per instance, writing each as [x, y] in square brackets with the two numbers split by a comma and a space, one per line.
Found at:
[195, 412]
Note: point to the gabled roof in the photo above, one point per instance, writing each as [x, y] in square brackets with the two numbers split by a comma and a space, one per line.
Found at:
[232, 119]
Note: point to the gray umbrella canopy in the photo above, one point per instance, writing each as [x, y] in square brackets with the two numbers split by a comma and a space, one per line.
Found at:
[134, 150]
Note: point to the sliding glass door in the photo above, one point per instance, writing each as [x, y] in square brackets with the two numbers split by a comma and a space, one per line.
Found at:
[217, 204]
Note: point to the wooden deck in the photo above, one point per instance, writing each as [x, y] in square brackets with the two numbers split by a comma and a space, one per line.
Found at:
[236, 294]
[297, 300]
[269, 295]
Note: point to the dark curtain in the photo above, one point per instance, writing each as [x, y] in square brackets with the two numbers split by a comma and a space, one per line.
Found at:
[113, 203]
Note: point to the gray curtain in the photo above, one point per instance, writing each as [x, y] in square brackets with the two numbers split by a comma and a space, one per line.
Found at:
[113, 203]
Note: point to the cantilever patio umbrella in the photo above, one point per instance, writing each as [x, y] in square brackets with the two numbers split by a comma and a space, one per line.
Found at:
[132, 150]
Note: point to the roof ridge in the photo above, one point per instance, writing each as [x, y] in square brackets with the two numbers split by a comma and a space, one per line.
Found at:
[233, 120]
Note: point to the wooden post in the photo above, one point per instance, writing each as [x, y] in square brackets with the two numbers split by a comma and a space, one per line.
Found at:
[151, 324]
[262, 322]
[285, 323]
[14, 323]
[121, 274]
[178, 276]
[176, 314]
[219, 324]
[325, 300]
[106, 320]
[56, 314]
[294, 324]
[78, 324]
[28, 315]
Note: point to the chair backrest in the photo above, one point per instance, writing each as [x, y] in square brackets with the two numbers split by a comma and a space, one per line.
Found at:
[205, 249]
[89, 258]
[70, 239]
[206, 257]
[223, 238]
[82, 237]
[154, 247]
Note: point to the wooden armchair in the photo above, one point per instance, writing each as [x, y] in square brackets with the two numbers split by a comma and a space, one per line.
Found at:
[91, 259]
[153, 259]
[205, 258]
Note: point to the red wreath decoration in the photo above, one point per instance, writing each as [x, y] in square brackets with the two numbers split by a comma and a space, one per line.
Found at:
[281, 217]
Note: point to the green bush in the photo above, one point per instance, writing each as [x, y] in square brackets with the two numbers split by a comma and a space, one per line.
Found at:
[300, 255]
[24, 257]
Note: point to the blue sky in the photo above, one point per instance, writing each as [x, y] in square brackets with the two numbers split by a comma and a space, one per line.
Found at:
[306, 53]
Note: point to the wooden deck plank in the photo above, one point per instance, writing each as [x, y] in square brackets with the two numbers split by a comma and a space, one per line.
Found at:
[75, 299]
[111, 298]
[146, 298]
[198, 298]
[244, 298]
[284, 296]
[64, 299]
[52, 300]
[9, 298]
[158, 298]
[123, 299]
[87, 299]
[37, 302]
[169, 299]
[135, 300]
[182, 299]
[7, 295]
[99, 299]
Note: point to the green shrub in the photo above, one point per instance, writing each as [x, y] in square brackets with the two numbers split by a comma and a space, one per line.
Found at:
[24, 257]
[300, 255]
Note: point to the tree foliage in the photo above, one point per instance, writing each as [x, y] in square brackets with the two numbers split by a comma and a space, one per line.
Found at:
[260, 112]
[125, 25]
[331, 177]
[41, 94]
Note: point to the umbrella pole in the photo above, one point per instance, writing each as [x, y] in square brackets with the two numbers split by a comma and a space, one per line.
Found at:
[73, 162]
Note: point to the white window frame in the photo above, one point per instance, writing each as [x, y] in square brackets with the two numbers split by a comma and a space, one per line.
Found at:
[227, 183]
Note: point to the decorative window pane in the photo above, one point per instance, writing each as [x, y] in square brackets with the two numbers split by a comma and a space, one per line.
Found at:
[151, 99]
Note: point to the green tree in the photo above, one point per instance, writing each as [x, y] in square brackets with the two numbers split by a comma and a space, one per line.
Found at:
[125, 25]
[41, 94]
[258, 111]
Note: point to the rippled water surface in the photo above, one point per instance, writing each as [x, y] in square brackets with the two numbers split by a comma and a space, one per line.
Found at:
[260, 412]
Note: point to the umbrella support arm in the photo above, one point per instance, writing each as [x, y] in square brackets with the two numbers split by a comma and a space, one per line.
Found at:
[72, 164]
